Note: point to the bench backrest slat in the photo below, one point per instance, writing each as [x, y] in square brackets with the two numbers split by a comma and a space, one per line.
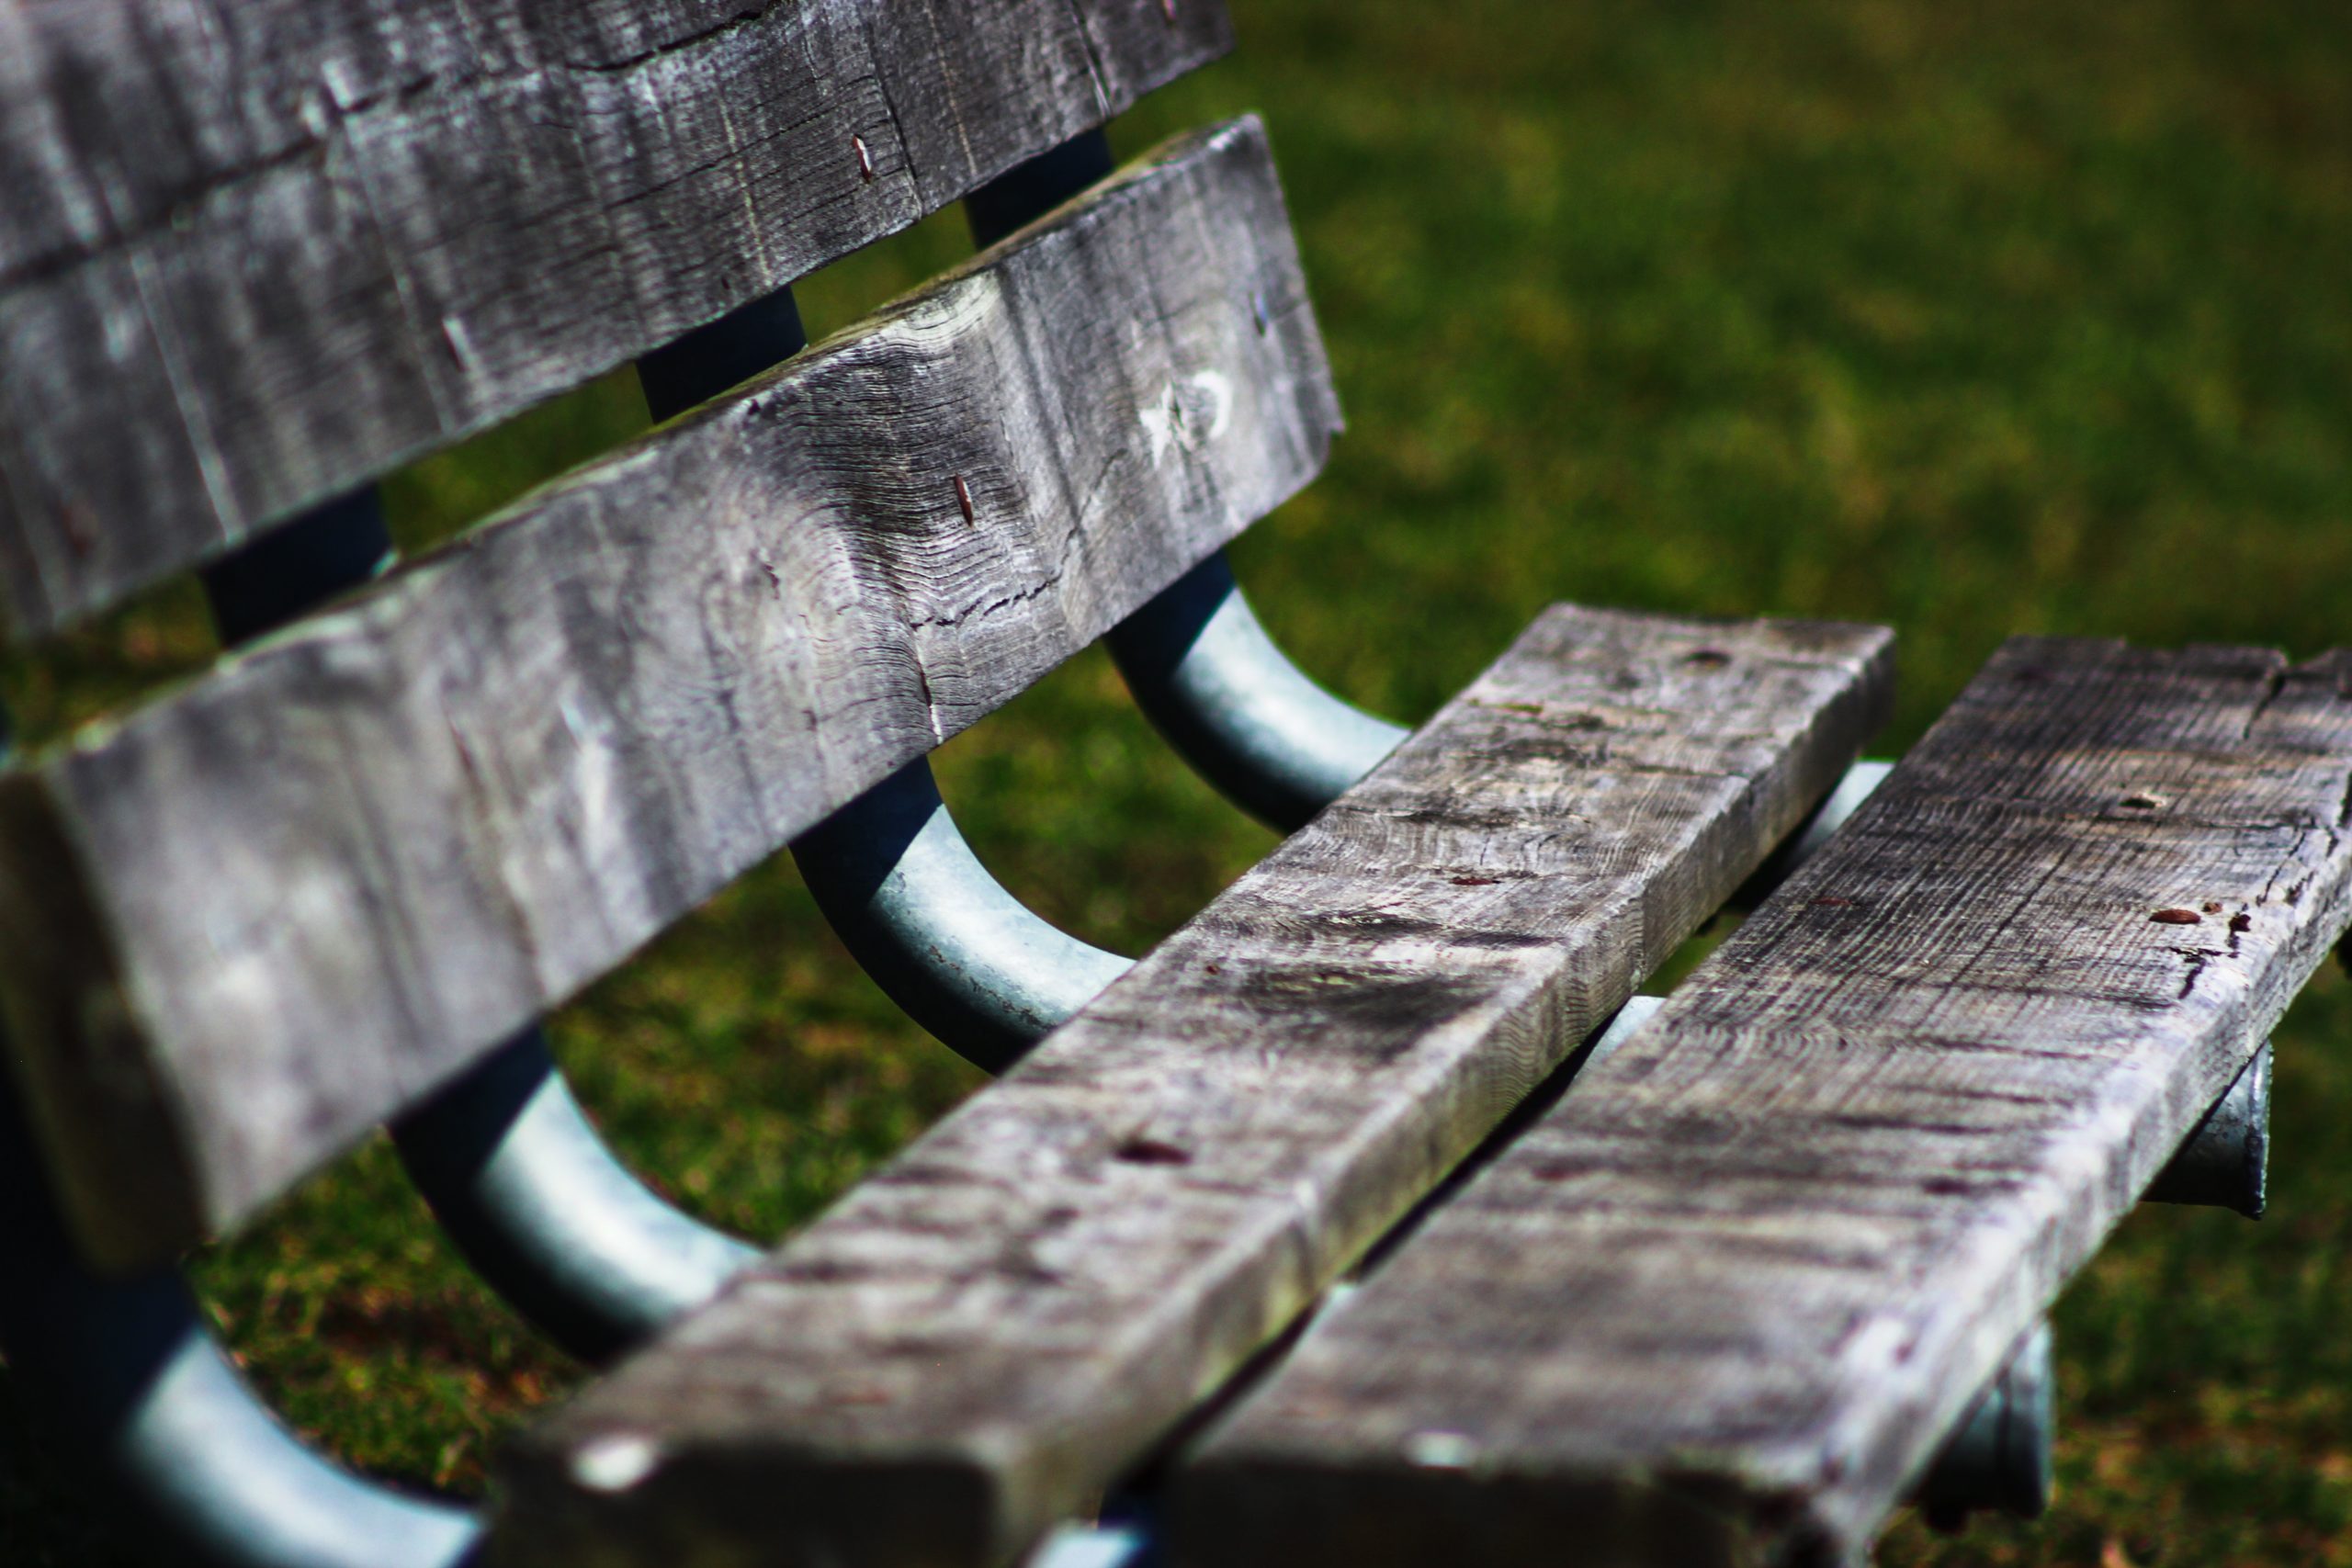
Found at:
[253, 255]
[320, 879]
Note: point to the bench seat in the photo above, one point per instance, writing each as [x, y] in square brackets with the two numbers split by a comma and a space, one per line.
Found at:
[1007, 1317]
[1723, 1302]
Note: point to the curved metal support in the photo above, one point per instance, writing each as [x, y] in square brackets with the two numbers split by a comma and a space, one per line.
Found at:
[511, 1166]
[126, 1373]
[1209, 678]
[1999, 1457]
[1201, 667]
[2225, 1162]
[965, 958]
[503, 1156]
[549, 1218]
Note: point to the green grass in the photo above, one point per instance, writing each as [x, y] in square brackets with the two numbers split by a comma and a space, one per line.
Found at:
[1973, 320]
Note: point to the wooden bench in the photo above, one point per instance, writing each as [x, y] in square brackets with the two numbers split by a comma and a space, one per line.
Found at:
[1715, 1285]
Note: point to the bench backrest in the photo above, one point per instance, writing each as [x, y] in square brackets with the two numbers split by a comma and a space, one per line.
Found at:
[255, 255]
[285, 901]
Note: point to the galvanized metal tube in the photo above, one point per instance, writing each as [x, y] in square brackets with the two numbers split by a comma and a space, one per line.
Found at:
[965, 958]
[124, 1373]
[914, 906]
[547, 1215]
[2225, 1163]
[1252, 723]
[503, 1155]
[1998, 1457]
[1200, 665]
[1097, 1546]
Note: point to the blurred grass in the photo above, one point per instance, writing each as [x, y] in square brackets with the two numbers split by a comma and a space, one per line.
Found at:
[1973, 320]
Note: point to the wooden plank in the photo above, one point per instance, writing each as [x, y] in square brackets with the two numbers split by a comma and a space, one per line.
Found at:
[979, 1339]
[1720, 1304]
[253, 256]
[321, 879]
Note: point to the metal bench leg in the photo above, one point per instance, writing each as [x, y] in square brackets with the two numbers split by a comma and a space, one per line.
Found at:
[127, 1374]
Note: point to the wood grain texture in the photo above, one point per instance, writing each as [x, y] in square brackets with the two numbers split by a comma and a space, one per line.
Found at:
[325, 876]
[1722, 1303]
[979, 1338]
[253, 256]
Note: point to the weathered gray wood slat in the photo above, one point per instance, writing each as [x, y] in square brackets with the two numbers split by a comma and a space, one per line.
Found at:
[979, 1338]
[252, 256]
[275, 908]
[1723, 1302]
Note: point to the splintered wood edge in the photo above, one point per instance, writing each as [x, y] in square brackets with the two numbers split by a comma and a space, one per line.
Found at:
[458, 208]
[1388, 1435]
[400, 829]
[980, 1337]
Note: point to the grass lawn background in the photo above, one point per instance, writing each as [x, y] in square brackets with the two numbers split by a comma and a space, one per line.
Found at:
[1974, 320]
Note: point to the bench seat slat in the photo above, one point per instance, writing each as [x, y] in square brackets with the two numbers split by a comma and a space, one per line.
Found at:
[979, 1339]
[276, 908]
[460, 207]
[1722, 1304]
